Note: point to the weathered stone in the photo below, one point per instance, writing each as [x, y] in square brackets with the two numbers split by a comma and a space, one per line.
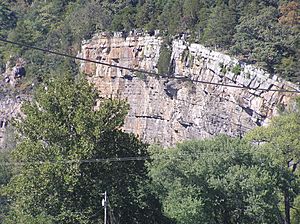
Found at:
[6, 79]
[168, 111]
[19, 71]
[10, 103]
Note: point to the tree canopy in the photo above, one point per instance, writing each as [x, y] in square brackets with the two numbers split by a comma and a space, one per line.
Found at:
[281, 141]
[260, 31]
[62, 132]
[221, 180]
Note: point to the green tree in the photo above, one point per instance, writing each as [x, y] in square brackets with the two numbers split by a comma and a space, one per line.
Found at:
[203, 16]
[290, 20]
[125, 20]
[146, 16]
[171, 17]
[281, 141]
[62, 124]
[295, 212]
[220, 26]
[164, 60]
[8, 19]
[79, 22]
[260, 38]
[220, 180]
[5, 175]
[191, 10]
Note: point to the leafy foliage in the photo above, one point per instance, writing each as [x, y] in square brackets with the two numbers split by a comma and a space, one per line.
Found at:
[221, 180]
[280, 140]
[261, 31]
[7, 18]
[62, 124]
[220, 26]
[5, 175]
[164, 60]
[260, 38]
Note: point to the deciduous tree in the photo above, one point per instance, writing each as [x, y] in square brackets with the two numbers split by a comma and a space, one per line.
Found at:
[220, 180]
[281, 141]
[220, 26]
[63, 133]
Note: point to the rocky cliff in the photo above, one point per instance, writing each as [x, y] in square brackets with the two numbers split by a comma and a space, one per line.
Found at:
[10, 97]
[166, 110]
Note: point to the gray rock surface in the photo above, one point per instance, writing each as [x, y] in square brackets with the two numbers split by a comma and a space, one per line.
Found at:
[10, 100]
[166, 110]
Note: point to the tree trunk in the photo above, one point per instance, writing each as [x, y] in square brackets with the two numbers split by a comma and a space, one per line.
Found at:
[287, 208]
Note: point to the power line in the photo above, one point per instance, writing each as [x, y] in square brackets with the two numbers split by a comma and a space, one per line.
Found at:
[77, 58]
[178, 156]
[181, 78]
[121, 159]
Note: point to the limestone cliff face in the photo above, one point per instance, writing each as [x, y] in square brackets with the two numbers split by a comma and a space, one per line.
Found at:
[166, 110]
[10, 99]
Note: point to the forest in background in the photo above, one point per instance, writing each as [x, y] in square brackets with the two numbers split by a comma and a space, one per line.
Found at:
[262, 32]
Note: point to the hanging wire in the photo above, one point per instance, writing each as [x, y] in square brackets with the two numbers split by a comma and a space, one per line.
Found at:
[155, 74]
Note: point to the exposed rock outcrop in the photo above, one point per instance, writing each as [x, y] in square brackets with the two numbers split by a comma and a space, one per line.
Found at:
[10, 99]
[167, 110]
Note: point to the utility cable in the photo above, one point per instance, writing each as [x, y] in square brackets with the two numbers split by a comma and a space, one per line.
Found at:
[182, 78]
[178, 156]
[121, 159]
